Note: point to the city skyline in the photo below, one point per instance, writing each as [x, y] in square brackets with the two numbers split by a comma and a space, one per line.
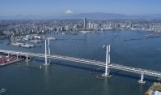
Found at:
[72, 7]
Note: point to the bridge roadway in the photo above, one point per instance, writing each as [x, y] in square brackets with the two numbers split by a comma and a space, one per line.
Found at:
[90, 62]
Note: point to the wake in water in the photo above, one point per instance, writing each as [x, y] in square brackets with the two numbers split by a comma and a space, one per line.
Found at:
[158, 49]
[3, 90]
[99, 77]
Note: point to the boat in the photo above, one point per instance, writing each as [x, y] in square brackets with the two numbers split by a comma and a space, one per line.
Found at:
[152, 35]
[84, 32]
[23, 45]
[51, 38]
[63, 33]
[6, 60]
[36, 41]
[27, 45]
[16, 44]
[98, 77]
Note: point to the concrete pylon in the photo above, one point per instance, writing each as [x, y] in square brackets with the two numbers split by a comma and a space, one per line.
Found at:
[107, 69]
[141, 81]
[27, 58]
[49, 50]
[46, 59]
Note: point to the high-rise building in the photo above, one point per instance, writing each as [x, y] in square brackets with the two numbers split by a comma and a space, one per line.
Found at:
[84, 23]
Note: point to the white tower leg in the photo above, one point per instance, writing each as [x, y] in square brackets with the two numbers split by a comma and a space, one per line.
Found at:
[49, 49]
[46, 60]
[107, 72]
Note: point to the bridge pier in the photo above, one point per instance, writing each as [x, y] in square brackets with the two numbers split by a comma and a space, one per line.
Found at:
[107, 69]
[141, 81]
[17, 56]
[27, 58]
[8, 55]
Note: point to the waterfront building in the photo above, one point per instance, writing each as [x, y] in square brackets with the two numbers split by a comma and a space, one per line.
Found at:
[92, 25]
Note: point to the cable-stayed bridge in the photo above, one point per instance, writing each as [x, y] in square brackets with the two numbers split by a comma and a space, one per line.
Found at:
[107, 65]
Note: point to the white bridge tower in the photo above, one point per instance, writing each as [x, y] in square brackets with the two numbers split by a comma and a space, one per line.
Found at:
[107, 68]
[47, 51]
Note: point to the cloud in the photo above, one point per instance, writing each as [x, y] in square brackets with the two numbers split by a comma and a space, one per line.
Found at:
[68, 12]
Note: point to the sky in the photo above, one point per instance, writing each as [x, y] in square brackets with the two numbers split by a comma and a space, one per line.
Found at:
[62, 7]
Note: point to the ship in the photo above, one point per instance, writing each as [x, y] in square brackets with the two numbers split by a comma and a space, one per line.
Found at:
[23, 45]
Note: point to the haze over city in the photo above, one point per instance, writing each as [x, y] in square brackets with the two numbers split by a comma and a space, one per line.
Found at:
[55, 8]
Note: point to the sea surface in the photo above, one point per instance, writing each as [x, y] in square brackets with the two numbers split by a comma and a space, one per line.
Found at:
[129, 48]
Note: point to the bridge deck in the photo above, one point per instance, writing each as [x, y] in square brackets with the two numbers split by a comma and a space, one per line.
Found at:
[90, 62]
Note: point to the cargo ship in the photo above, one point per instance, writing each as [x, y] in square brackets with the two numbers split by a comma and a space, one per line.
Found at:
[6, 60]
